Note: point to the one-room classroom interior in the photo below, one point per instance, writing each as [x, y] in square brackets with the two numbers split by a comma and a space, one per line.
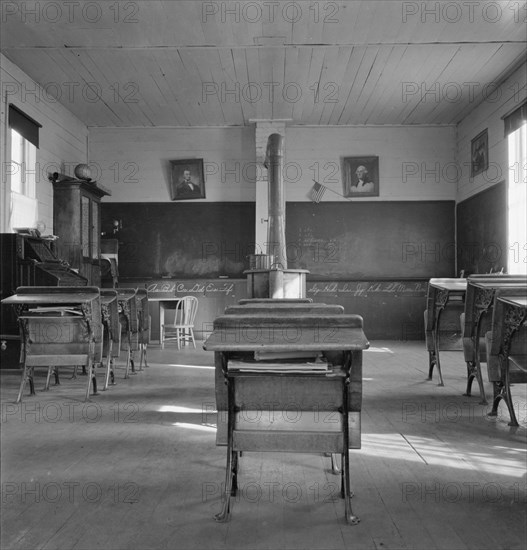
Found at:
[263, 275]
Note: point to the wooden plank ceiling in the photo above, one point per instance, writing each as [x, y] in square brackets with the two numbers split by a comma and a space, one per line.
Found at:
[197, 63]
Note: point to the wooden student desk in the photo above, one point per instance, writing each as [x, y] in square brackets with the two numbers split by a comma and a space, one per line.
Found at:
[442, 293]
[59, 326]
[479, 301]
[248, 392]
[509, 332]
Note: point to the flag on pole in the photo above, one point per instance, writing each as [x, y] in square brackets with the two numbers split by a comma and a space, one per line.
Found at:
[317, 191]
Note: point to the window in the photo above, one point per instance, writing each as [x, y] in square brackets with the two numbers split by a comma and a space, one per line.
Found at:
[22, 169]
[516, 127]
[22, 175]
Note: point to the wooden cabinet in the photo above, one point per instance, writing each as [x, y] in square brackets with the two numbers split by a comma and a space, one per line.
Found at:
[77, 223]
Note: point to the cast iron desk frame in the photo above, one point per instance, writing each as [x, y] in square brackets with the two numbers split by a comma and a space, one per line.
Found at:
[513, 310]
[351, 342]
[128, 309]
[143, 325]
[441, 291]
[480, 300]
[112, 329]
[84, 299]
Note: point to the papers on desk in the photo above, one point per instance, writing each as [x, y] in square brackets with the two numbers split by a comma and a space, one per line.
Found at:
[267, 355]
[318, 365]
[55, 311]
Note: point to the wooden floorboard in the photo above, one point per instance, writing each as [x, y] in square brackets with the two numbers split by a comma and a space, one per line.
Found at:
[137, 467]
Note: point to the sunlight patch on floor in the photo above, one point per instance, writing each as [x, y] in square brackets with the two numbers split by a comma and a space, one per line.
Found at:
[178, 409]
[378, 350]
[199, 427]
[432, 452]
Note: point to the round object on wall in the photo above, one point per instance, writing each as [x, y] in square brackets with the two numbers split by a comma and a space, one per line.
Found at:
[83, 172]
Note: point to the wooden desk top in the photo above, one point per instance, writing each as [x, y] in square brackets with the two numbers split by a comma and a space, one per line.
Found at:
[108, 298]
[451, 285]
[516, 300]
[293, 332]
[275, 301]
[284, 309]
[67, 298]
[153, 298]
[497, 283]
[125, 293]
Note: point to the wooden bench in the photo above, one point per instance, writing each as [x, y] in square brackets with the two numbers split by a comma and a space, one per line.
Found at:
[248, 388]
[507, 347]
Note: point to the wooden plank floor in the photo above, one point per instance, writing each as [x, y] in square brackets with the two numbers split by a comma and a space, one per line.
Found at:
[137, 467]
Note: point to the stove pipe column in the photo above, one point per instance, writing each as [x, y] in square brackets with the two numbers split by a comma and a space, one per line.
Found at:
[276, 219]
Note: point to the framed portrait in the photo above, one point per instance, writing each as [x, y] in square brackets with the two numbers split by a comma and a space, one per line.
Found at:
[479, 153]
[186, 179]
[360, 176]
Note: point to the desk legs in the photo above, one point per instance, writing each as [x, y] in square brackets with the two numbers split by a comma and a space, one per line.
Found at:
[27, 376]
[474, 368]
[502, 391]
[129, 360]
[435, 359]
[513, 319]
[161, 325]
[232, 459]
[109, 365]
[350, 518]
[143, 357]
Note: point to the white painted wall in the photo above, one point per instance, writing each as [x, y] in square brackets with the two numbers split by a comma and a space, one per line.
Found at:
[412, 160]
[63, 138]
[135, 162]
[501, 101]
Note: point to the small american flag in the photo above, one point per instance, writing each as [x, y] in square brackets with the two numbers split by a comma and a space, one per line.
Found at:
[317, 191]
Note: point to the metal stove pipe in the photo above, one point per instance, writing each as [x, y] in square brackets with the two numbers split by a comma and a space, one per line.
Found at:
[276, 244]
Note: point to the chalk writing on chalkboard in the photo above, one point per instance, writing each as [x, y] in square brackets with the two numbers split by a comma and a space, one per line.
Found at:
[190, 287]
[363, 288]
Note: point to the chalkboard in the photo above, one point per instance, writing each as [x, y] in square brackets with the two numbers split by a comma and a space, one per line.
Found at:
[359, 240]
[184, 240]
[482, 231]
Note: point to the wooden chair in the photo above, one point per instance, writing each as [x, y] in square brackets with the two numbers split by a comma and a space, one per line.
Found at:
[141, 297]
[182, 330]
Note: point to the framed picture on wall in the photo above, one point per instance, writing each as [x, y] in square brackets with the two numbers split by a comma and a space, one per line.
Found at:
[360, 176]
[479, 153]
[187, 180]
